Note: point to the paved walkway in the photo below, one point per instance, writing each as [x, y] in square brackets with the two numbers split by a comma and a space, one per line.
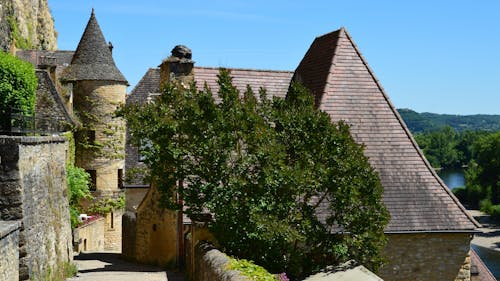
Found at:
[109, 266]
[487, 243]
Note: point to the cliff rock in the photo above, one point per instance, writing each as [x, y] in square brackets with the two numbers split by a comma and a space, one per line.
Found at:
[28, 23]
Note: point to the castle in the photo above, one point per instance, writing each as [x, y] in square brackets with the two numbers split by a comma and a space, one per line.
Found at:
[429, 232]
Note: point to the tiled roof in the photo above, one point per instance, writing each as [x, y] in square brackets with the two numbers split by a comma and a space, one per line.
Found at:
[276, 83]
[93, 59]
[346, 88]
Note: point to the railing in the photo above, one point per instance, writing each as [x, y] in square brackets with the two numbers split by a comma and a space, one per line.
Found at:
[15, 122]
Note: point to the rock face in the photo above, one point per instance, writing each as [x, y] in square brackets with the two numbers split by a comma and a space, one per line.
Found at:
[28, 23]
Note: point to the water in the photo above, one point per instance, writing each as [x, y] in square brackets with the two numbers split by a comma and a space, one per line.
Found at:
[453, 178]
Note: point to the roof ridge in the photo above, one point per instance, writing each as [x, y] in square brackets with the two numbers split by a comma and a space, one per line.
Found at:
[407, 131]
[243, 68]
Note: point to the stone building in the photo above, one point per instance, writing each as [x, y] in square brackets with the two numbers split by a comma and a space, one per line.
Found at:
[429, 232]
[83, 89]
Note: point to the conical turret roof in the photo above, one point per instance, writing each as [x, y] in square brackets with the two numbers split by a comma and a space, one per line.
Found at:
[93, 59]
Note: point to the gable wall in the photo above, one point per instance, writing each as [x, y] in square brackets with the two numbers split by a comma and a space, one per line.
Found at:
[425, 256]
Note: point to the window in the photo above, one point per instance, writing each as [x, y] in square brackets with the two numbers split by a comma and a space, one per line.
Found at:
[93, 179]
[112, 220]
[120, 178]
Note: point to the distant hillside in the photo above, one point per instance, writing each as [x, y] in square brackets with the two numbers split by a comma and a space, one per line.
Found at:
[420, 122]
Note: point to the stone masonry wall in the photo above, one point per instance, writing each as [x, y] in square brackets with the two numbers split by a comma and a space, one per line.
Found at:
[210, 265]
[9, 250]
[424, 256]
[33, 190]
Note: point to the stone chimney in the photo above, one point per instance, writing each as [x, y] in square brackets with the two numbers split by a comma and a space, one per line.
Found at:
[178, 67]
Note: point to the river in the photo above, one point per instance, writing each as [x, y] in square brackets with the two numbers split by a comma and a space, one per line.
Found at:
[453, 178]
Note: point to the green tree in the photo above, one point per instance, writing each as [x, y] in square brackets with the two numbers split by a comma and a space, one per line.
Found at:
[78, 185]
[487, 156]
[439, 147]
[18, 84]
[283, 182]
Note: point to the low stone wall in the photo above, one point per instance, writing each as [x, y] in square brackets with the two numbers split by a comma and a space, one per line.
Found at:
[210, 265]
[425, 256]
[89, 237]
[9, 250]
[33, 190]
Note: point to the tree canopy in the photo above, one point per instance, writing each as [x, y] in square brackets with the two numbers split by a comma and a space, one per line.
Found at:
[287, 188]
[18, 84]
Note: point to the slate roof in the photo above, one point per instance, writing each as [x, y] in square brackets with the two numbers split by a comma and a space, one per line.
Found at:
[93, 59]
[346, 88]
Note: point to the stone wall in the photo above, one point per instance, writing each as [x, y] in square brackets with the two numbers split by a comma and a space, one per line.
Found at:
[89, 237]
[33, 190]
[113, 231]
[425, 256]
[9, 250]
[210, 265]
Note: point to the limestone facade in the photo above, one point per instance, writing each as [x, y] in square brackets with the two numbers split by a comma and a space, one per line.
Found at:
[89, 237]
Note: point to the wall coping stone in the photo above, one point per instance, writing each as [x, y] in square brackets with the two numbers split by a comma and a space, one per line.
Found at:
[27, 140]
[7, 227]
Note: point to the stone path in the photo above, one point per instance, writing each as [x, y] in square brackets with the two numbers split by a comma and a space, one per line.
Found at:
[487, 243]
[108, 266]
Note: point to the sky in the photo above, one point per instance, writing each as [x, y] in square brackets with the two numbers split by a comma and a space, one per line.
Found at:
[430, 56]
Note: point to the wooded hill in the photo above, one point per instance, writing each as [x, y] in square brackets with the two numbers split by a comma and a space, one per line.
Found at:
[421, 122]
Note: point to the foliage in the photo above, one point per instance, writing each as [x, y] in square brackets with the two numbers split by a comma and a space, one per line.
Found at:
[78, 184]
[18, 83]
[104, 206]
[264, 169]
[482, 175]
[427, 122]
[447, 148]
[250, 270]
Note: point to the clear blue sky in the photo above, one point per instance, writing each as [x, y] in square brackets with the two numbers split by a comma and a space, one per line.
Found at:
[430, 56]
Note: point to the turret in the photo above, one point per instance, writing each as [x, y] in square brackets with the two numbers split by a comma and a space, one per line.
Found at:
[98, 89]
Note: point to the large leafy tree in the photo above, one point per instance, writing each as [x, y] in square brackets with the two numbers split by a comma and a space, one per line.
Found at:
[287, 188]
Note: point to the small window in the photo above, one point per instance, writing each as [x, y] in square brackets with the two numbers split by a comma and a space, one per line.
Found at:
[112, 220]
[120, 178]
[93, 179]
[91, 136]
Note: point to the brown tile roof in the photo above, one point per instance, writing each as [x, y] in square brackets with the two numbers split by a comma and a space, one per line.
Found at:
[346, 88]
[93, 59]
[275, 82]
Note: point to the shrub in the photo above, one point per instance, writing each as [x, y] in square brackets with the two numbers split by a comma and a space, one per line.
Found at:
[18, 84]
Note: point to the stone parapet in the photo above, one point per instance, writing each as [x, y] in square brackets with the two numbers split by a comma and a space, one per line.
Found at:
[211, 265]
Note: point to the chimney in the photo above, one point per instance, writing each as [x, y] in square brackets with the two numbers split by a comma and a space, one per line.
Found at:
[178, 67]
